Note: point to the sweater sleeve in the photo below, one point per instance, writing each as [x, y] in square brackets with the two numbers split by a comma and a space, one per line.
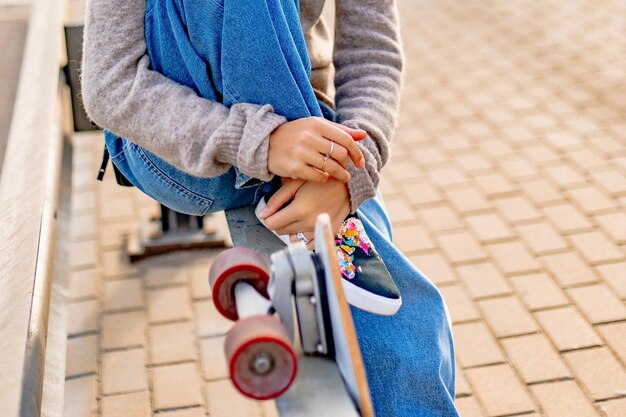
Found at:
[368, 62]
[122, 94]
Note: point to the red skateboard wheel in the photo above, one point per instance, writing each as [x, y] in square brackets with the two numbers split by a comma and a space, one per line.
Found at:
[232, 266]
[261, 360]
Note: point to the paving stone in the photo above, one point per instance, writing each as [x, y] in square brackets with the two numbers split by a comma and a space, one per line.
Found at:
[434, 266]
[224, 400]
[123, 294]
[412, 238]
[538, 291]
[83, 201]
[615, 336]
[116, 210]
[269, 409]
[541, 238]
[613, 408]
[447, 177]
[564, 176]
[115, 265]
[614, 275]
[83, 226]
[535, 359]
[499, 390]
[599, 371]
[591, 200]
[518, 168]
[489, 228]
[540, 154]
[162, 275]
[473, 161]
[173, 342]
[440, 217]
[467, 199]
[199, 281]
[612, 181]
[83, 283]
[563, 398]
[176, 386]
[460, 247]
[468, 407]
[123, 371]
[185, 412]
[596, 248]
[494, 184]
[82, 317]
[169, 304]
[209, 322]
[507, 316]
[404, 170]
[430, 156]
[516, 209]
[82, 356]
[567, 328]
[541, 192]
[399, 210]
[112, 236]
[614, 225]
[462, 388]
[213, 359]
[83, 254]
[420, 193]
[80, 397]
[513, 258]
[483, 280]
[598, 303]
[569, 269]
[134, 404]
[475, 345]
[459, 304]
[567, 218]
[123, 330]
[586, 159]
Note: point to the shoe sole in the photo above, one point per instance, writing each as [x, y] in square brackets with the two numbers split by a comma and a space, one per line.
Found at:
[370, 302]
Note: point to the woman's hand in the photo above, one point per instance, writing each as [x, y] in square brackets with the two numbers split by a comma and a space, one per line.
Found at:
[297, 150]
[309, 200]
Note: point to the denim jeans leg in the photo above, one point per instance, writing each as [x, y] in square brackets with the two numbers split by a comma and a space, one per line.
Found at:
[409, 357]
[176, 189]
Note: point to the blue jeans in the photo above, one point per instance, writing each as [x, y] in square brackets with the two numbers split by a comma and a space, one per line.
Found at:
[409, 357]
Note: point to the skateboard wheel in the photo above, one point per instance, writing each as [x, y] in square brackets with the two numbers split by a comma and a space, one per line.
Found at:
[261, 359]
[232, 266]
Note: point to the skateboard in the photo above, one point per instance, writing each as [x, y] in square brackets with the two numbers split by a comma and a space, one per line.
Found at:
[293, 339]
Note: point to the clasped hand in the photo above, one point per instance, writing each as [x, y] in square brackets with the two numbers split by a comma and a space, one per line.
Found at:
[297, 153]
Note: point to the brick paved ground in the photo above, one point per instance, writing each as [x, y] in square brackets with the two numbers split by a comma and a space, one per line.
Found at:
[507, 187]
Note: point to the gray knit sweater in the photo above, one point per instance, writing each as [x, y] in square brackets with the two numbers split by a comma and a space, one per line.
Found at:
[204, 138]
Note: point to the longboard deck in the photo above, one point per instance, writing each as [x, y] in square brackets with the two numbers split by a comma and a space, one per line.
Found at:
[322, 392]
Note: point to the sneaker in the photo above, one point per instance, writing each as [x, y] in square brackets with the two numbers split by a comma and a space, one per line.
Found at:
[366, 280]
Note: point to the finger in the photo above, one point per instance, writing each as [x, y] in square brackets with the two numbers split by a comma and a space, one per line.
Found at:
[294, 237]
[311, 173]
[339, 152]
[337, 171]
[332, 132]
[298, 226]
[357, 134]
[283, 218]
[284, 194]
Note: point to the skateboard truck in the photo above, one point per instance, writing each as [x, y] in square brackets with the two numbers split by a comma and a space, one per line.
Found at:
[300, 293]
